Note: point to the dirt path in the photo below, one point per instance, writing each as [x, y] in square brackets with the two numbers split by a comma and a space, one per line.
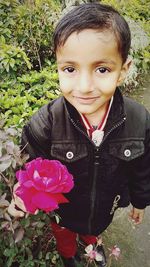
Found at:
[134, 242]
[146, 95]
[142, 94]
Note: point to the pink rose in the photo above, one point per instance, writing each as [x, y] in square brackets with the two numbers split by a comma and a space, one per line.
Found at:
[42, 183]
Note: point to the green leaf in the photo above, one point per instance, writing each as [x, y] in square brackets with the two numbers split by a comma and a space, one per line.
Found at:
[7, 67]
[2, 39]
[12, 62]
[5, 62]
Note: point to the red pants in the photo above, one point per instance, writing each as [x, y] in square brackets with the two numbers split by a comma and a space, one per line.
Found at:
[66, 240]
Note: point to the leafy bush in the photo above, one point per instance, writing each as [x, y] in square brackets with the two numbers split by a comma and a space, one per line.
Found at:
[12, 58]
[24, 95]
[7, 19]
[26, 32]
[30, 26]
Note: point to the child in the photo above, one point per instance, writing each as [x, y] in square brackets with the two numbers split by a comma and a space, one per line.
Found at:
[102, 137]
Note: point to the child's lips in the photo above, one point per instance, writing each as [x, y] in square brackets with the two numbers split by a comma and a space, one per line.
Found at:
[86, 100]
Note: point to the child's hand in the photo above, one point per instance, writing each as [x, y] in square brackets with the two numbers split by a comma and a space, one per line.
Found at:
[16, 202]
[136, 215]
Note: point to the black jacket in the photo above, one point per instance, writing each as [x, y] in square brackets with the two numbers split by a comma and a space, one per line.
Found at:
[106, 177]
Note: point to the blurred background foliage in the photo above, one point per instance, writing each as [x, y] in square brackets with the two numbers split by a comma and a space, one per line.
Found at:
[28, 81]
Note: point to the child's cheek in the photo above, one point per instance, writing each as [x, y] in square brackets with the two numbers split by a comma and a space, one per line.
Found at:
[66, 85]
[108, 86]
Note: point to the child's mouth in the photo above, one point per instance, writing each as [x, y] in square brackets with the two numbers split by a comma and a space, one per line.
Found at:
[86, 100]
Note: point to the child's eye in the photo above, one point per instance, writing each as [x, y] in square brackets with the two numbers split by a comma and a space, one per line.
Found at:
[69, 69]
[102, 70]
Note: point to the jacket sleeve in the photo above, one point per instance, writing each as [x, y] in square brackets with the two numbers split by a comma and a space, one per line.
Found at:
[140, 183]
[35, 139]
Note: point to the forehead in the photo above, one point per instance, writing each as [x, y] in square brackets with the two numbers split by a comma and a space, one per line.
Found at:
[89, 43]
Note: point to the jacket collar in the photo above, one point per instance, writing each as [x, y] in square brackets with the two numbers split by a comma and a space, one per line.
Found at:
[116, 114]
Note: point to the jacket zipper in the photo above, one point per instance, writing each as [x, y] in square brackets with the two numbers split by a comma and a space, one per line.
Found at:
[96, 165]
[93, 192]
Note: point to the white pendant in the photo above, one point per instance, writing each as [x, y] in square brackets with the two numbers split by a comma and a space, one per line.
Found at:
[97, 137]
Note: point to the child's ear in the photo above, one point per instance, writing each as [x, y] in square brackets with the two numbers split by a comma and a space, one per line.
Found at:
[124, 71]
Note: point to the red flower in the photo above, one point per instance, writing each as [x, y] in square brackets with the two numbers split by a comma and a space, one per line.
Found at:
[42, 183]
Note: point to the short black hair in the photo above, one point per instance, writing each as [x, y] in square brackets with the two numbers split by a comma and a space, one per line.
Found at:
[94, 16]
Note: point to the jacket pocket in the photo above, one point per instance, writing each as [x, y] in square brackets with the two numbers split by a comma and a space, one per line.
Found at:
[75, 157]
[127, 150]
[68, 152]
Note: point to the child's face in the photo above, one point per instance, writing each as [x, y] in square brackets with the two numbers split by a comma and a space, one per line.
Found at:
[90, 67]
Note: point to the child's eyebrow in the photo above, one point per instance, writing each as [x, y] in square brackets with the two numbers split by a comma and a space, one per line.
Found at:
[65, 62]
[99, 62]
[104, 61]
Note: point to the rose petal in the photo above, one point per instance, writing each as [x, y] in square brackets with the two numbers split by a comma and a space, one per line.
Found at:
[28, 184]
[60, 198]
[22, 176]
[44, 201]
[26, 195]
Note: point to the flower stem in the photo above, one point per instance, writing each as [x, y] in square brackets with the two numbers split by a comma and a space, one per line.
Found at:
[109, 262]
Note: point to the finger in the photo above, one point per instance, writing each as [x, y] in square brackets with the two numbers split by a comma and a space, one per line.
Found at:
[140, 217]
[135, 215]
[130, 213]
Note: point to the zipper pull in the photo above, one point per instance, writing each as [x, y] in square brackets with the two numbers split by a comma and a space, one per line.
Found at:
[96, 155]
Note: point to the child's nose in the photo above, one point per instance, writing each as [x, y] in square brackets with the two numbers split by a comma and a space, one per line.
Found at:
[85, 83]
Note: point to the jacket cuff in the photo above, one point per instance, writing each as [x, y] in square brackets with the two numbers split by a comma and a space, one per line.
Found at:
[138, 205]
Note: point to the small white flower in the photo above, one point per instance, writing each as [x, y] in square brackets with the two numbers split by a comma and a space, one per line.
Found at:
[115, 251]
[92, 254]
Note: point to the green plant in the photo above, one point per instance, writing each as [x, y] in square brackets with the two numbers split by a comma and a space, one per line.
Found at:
[26, 241]
[29, 25]
[34, 28]
[13, 59]
[26, 32]
[7, 19]
[24, 95]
